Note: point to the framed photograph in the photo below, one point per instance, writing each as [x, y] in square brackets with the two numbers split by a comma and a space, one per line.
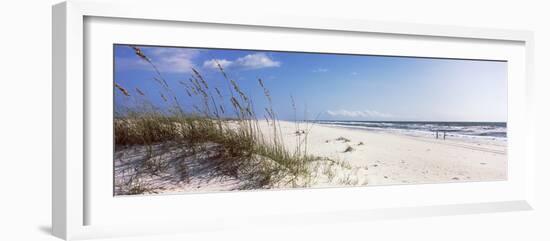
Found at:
[166, 123]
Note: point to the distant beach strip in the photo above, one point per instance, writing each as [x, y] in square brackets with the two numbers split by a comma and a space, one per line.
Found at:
[483, 130]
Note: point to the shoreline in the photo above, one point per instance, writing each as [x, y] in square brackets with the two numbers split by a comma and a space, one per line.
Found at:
[422, 135]
[418, 133]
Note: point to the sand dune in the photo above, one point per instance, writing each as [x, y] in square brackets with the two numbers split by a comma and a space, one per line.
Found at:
[357, 157]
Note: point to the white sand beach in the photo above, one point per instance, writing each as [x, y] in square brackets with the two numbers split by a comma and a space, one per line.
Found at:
[359, 157]
[393, 158]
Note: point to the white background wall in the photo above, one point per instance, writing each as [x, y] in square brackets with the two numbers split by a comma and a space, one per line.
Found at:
[25, 119]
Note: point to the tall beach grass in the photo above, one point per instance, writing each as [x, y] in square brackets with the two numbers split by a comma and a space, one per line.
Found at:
[225, 120]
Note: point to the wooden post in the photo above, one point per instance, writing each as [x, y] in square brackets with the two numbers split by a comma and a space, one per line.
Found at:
[444, 135]
[436, 134]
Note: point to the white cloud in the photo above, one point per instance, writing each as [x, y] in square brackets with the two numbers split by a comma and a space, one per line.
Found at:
[256, 61]
[167, 60]
[320, 70]
[251, 61]
[354, 73]
[213, 63]
[358, 114]
[177, 60]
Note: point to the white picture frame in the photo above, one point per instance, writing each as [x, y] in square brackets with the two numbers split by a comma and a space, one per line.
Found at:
[72, 193]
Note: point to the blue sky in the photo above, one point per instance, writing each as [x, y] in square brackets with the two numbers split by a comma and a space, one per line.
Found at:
[326, 86]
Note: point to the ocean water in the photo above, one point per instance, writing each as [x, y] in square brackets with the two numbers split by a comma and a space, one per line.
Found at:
[485, 130]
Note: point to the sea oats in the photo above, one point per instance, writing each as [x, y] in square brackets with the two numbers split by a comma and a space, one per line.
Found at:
[200, 78]
[218, 92]
[221, 69]
[124, 91]
[266, 91]
[140, 92]
[236, 104]
[140, 53]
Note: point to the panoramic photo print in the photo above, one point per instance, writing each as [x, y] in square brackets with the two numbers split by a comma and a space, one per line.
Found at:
[189, 120]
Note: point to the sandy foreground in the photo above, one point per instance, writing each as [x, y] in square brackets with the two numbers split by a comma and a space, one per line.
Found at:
[364, 157]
